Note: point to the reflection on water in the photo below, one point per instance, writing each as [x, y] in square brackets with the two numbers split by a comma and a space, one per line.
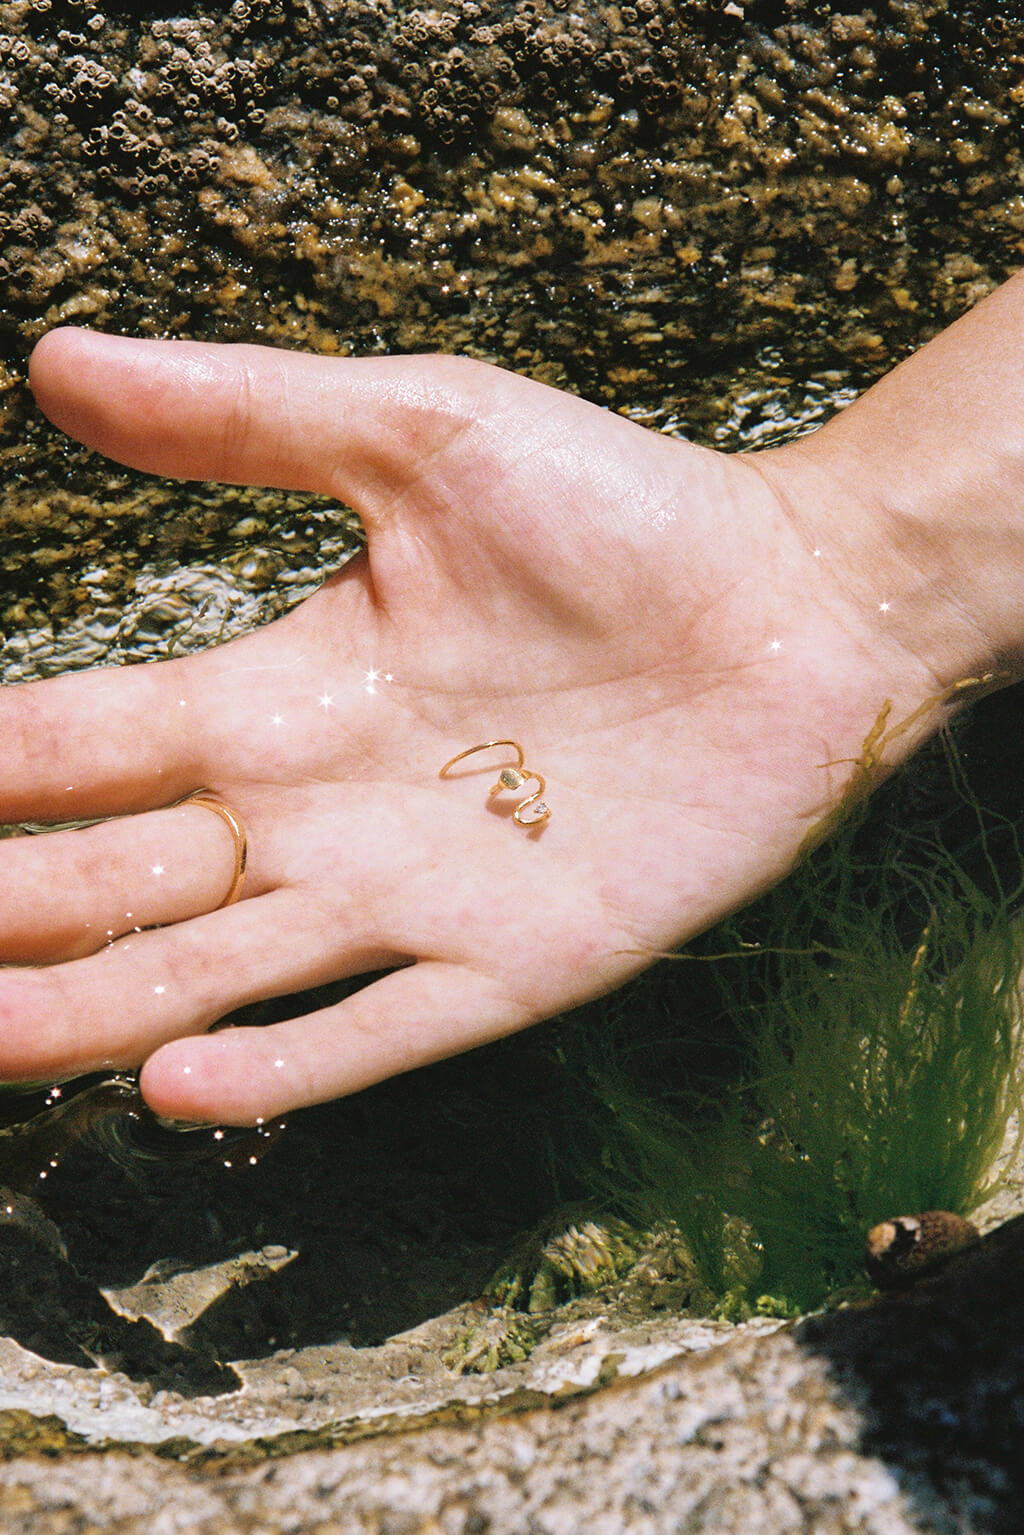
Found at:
[759, 405]
[175, 611]
[39, 1127]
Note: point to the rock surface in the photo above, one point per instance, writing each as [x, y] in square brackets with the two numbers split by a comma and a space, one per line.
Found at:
[891, 1418]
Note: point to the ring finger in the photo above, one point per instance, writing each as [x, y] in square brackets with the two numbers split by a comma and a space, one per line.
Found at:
[64, 894]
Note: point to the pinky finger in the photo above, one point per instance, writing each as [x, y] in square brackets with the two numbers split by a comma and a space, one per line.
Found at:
[410, 1018]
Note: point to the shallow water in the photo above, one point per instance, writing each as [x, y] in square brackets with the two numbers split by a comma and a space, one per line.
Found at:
[175, 610]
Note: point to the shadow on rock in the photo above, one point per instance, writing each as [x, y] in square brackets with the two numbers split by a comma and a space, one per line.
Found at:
[398, 1203]
[47, 1306]
[937, 1374]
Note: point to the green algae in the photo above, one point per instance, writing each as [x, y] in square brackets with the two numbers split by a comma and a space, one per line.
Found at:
[846, 1050]
[26, 1433]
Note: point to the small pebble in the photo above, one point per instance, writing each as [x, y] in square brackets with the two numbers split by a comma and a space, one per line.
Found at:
[899, 1251]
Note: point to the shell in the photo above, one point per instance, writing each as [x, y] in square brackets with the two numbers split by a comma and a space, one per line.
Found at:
[903, 1249]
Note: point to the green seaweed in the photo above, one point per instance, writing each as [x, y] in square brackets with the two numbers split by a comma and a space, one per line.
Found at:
[844, 1051]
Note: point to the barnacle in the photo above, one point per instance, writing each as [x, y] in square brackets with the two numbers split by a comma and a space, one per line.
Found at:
[570, 1254]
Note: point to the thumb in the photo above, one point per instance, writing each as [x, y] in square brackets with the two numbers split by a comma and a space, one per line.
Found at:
[355, 428]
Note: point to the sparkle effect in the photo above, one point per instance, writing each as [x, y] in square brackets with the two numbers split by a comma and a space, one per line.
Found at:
[885, 607]
[373, 676]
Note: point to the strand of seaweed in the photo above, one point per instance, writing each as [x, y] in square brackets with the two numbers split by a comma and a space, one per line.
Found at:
[846, 1049]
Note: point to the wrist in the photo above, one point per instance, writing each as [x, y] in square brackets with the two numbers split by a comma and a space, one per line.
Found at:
[916, 492]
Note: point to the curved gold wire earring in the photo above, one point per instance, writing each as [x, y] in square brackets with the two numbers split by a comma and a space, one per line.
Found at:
[510, 778]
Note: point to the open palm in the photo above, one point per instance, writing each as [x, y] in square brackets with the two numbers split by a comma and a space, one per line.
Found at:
[673, 642]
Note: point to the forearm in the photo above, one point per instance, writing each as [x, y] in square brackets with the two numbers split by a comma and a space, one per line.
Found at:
[916, 492]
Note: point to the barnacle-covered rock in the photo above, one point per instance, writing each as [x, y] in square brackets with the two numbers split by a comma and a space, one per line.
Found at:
[638, 202]
[569, 1270]
[568, 1255]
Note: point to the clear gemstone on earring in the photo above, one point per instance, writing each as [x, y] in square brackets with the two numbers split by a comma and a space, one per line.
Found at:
[510, 778]
[539, 810]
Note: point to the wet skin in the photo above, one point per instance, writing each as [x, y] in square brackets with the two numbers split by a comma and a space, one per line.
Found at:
[690, 648]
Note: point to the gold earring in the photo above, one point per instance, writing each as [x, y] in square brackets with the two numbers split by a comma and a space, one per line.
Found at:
[511, 778]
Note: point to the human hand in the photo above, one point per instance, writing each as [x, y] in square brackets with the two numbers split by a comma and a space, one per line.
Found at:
[685, 648]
